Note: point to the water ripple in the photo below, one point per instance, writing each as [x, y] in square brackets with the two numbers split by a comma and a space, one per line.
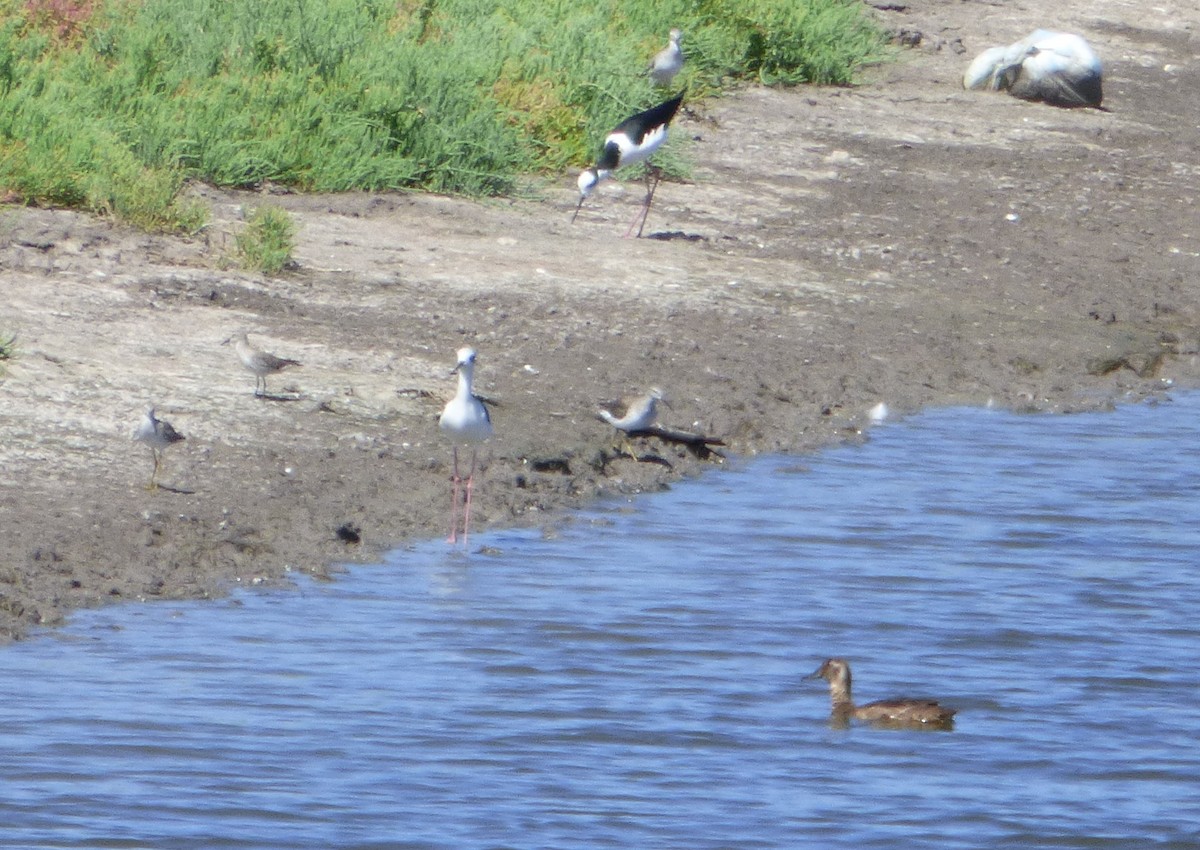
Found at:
[637, 680]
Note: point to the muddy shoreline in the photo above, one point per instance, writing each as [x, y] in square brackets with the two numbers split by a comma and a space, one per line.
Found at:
[901, 242]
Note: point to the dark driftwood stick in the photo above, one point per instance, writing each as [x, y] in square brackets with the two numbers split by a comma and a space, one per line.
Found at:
[698, 444]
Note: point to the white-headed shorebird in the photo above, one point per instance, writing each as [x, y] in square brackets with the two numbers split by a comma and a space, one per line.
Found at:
[630, 142]
[257, 361]
[465, 421]
[667, 62]
[158, 434]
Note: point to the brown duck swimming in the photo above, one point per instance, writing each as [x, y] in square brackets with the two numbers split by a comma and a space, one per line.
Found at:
[892, 713]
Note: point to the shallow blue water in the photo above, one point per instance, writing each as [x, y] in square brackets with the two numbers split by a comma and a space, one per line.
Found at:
[634, 680]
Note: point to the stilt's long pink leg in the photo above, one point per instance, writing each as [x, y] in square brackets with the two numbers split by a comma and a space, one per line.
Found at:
[470, 486]
[454, 486]
[644, 213]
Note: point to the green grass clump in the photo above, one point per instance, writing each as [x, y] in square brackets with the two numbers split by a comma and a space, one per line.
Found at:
[808, 41]
[111, 105]
[266, 242]
[8, 352]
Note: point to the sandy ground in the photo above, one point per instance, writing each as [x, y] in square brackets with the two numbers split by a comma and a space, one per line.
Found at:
[903, 241]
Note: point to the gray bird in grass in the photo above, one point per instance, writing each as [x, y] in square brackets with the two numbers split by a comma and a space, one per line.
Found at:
[260, 362]
[667, 62]
[158, 434]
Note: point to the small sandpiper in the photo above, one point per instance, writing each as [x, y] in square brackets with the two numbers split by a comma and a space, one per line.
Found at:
[257, 361]
[158, 434]
[466, 421]
[640, 414]
[630, 142]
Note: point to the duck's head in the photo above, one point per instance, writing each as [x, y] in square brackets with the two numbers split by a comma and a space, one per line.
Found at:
[833, 670]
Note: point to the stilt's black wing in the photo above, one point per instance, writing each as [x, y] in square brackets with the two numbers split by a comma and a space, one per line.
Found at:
[637, 126]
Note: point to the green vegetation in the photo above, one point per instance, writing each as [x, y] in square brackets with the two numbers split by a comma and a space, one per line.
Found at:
[8, 351]
[110, 105]
[266, 241]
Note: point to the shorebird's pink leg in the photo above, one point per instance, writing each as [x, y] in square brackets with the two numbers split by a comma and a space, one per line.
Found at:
[454, 486]
[644, 212]
[467, 509]
[641, 215]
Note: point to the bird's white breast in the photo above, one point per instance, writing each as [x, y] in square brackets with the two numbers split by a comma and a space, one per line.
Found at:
[632, 152]
[466, 419]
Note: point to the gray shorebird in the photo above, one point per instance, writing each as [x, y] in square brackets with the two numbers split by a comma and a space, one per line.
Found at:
[630, 142]
[893, 713]
[667, 62]
[640, 414]
[257, 361]
[158, 434]
[465, 421]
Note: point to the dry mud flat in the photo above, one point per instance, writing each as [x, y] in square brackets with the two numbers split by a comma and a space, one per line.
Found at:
[903, 241]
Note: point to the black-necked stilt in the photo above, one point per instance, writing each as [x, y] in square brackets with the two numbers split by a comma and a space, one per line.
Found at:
[632, 141]
[465, 420]
[158, 435]
[667, 62]
[257, 361]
